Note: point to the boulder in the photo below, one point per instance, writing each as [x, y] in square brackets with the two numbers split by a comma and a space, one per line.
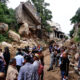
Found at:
[24, 30]
[11, 48]
[3, 27]
[5, 44]
[14, 36]
[29, 42]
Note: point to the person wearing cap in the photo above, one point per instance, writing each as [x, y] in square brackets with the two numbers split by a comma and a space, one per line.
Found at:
[27, 71]
[36, 65]
[12, 73]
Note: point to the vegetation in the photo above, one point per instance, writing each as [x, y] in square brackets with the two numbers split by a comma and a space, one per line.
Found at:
[44, 13]
[76, 17]
[71, 33]
[7, 15]
[4, 37]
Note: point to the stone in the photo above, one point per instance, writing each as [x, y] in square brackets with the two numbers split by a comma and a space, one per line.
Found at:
[5, 44]
[29, 42]
[3, 27]
[11, 48]
[26, 12]
[14, 36]
[24, 30]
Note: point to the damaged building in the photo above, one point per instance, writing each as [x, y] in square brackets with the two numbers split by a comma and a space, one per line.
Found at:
[56, 32]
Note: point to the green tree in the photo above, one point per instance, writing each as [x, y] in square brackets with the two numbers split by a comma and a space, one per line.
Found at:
[44, 13]
[71, 33]
[7, 15]
[76, 17]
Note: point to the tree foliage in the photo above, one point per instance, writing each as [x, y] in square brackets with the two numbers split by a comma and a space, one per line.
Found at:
[76, 17]
[7, 15]
[44, 13]
[71, 33]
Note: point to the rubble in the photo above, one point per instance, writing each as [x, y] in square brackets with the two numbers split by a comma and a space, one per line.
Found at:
[14, 36]
[24, 30]
[3, 27]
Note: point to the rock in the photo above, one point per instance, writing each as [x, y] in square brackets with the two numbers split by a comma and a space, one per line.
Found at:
[3, 27]
[11, 48]
[5, 44]
[14, 36]
[24, 30]
[29, 42]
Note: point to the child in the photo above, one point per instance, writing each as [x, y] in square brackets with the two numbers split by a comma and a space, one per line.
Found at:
[64, 66]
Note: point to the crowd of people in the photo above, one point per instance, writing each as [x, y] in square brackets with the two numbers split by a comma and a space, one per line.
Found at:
[28, 64]
[59, 57]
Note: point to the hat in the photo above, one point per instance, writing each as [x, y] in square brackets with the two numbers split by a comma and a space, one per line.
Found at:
[37, 55]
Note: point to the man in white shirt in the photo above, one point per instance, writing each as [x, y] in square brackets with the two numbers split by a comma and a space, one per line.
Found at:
[19, 60]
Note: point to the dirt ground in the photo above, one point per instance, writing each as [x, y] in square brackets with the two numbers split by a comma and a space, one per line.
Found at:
[55, 74]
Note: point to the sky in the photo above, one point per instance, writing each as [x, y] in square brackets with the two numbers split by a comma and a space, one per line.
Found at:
[62, 11]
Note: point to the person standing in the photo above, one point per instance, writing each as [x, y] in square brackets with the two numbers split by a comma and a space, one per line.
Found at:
[64, 66]
[36, 65]
[2, 69]
[6, 56]
[27, 71]
[42, 63]
[79, 64]
[12, 73]
[19, 60]
[52, 58]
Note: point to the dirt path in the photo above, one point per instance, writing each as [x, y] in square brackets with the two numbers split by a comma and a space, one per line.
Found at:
[55, 74]
[51, 75]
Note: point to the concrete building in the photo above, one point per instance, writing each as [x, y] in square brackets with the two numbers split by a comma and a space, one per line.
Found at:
[56, 31]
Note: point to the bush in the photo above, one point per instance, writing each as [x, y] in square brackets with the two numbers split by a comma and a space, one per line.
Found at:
[7, 15]
[77, 39]
[4, 37]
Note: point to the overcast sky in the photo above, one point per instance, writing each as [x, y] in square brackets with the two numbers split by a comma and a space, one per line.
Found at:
[62, 11]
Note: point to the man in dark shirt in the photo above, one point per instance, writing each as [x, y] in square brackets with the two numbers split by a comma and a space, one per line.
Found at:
[6, 56]
[79, 64]
[64, 66]
[2, 69]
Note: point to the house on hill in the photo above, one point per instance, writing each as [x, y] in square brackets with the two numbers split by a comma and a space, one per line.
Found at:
[56, 31]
